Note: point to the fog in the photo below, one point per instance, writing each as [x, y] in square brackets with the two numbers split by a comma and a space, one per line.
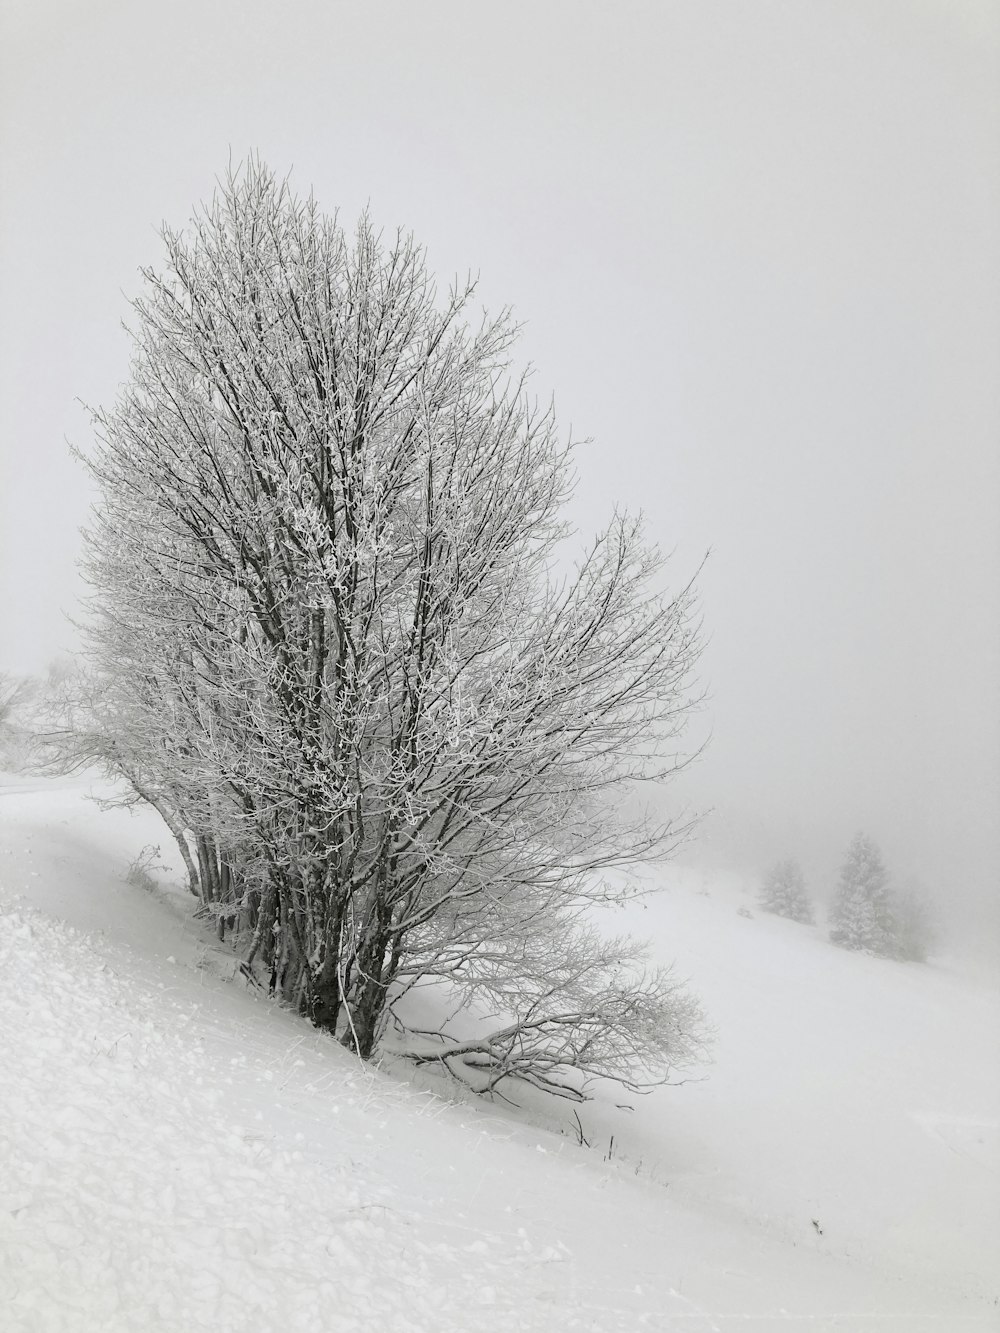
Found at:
[757, 256]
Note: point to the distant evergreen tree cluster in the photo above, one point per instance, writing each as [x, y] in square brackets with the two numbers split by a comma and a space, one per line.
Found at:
[784, 893]
[867, 916]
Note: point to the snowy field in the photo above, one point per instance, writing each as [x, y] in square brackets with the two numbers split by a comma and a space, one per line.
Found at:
[177, 1153]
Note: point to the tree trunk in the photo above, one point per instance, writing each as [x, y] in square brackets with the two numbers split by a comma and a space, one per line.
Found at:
[367, 1006]
[324, 996]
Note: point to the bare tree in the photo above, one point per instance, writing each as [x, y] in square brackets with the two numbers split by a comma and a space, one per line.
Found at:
[16, 693]
[94, 719]
[334, 619]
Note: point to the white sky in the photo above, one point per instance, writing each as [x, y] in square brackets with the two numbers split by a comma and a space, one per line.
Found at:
[757, 250]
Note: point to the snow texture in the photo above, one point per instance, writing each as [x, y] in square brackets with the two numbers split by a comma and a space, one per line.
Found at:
[177, 1153]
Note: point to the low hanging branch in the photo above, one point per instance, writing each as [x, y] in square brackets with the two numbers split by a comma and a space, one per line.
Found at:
[564, 1053]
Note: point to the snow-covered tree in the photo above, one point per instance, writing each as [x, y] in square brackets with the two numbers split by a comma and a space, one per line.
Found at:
[914, 933]
[16, 693]
[784, 892]
[861, 914]
[337, 637]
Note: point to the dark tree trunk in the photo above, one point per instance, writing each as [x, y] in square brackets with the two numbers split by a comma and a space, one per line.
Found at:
[375, 974]
[324, 997]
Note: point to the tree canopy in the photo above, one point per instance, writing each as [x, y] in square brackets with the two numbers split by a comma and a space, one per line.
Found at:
[335, 639]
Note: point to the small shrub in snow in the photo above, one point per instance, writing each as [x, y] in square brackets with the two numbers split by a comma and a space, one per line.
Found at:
[138, 873]
[784, 893]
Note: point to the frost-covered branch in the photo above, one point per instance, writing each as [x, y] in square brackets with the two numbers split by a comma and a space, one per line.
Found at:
[333, 630]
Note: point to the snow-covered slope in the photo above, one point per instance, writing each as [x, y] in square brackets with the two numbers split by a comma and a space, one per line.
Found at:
[177, 1153]
[862, 1093]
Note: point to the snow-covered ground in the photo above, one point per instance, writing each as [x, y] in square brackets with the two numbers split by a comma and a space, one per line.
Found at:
[178, 1153]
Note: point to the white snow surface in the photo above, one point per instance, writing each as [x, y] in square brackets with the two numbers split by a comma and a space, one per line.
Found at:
[178, 1153]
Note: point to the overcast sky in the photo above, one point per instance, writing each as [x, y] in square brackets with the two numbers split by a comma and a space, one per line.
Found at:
[756, 247]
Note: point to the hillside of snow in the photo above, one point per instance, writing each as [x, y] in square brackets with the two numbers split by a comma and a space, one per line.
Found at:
[177, 1152]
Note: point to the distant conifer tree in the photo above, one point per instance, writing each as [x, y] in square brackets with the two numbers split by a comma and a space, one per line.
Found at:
[861, 916]
[784, 893]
